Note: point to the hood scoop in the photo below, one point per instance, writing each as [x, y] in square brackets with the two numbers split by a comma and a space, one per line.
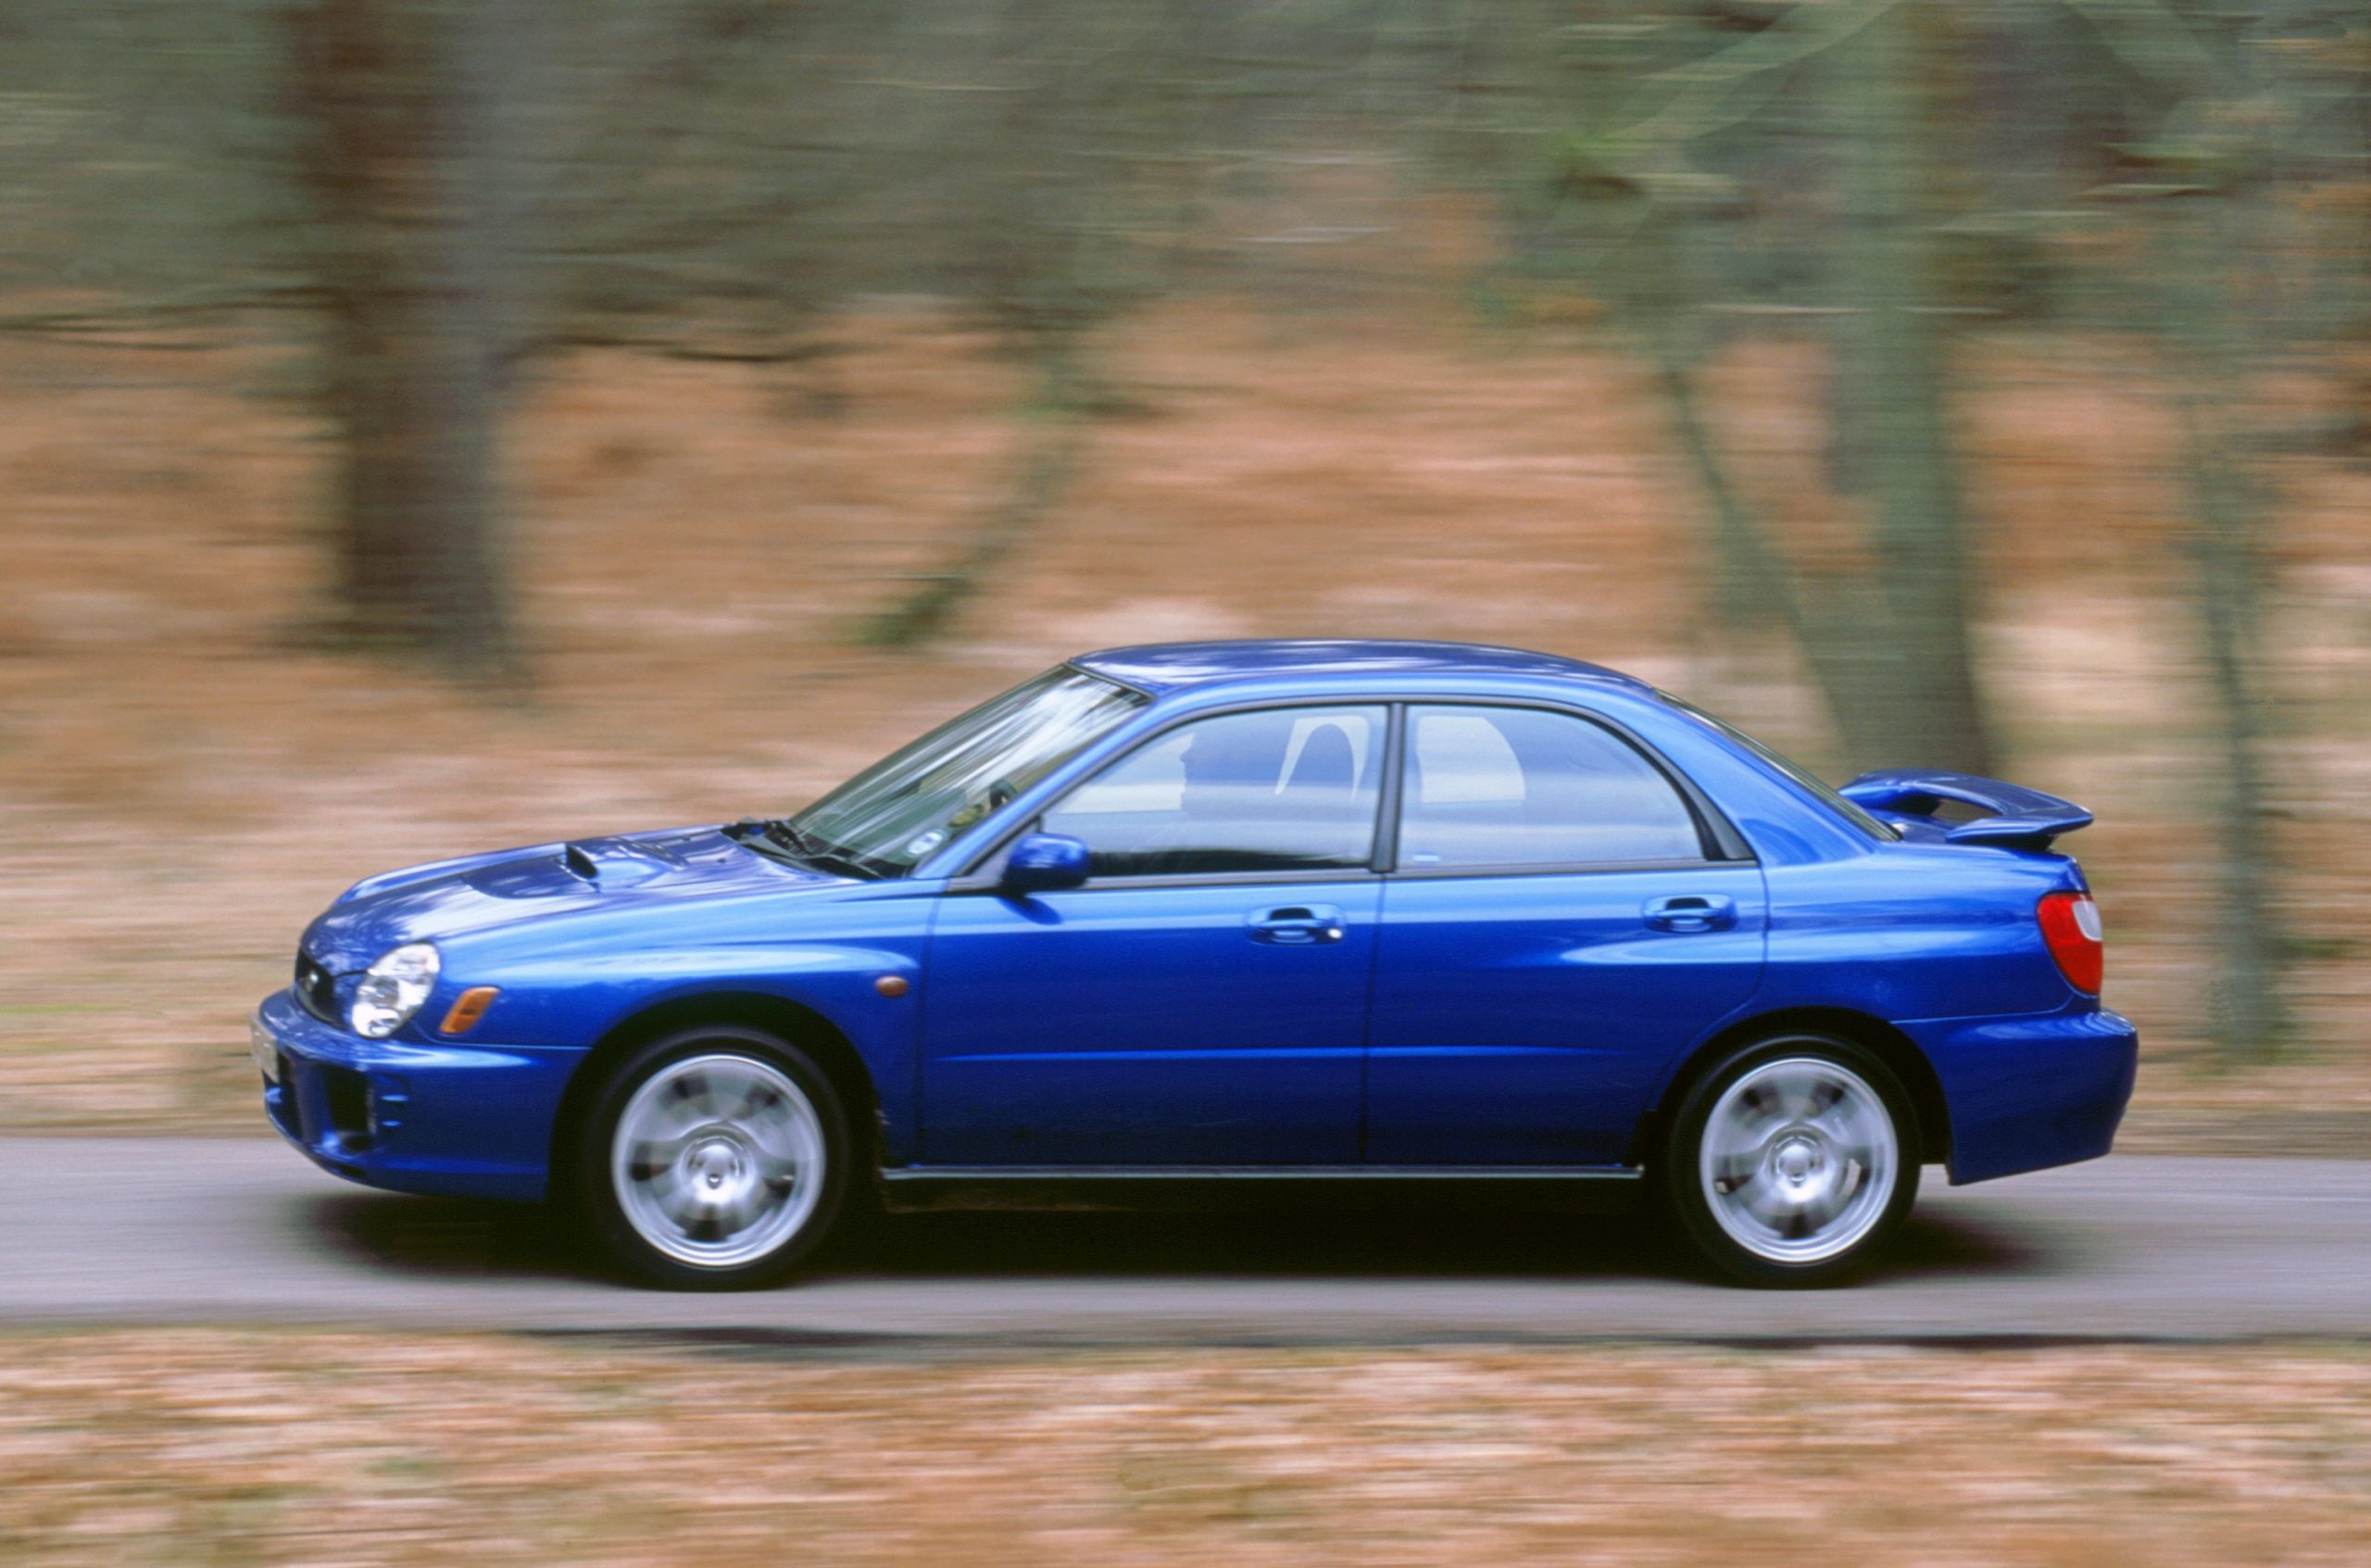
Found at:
[616, 862]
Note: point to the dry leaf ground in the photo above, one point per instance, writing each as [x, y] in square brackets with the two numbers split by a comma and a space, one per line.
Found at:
[317, 1447]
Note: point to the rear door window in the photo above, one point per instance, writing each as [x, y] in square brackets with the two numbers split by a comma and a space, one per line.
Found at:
[1514, 787]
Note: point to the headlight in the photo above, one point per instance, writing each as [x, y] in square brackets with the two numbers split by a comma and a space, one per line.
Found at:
[392, 989]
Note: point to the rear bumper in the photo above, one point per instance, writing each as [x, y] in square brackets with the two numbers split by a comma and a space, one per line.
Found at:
[2031, 1091]
[468, 1122]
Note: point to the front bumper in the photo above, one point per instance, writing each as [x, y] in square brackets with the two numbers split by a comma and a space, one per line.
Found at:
[2032, 1091]
[468, 1121]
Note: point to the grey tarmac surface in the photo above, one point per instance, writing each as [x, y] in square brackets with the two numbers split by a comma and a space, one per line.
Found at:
[228, 1230]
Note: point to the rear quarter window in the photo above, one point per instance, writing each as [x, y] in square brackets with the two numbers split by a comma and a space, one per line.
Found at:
[1827, 793]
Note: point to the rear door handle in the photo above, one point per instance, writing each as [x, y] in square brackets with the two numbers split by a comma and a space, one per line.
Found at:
[1296, 925]
[1692, 911]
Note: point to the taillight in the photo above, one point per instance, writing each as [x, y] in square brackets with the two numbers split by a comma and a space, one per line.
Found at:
[2070, 926]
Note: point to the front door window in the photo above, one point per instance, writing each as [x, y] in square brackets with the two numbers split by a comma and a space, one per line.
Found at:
[1283, 789]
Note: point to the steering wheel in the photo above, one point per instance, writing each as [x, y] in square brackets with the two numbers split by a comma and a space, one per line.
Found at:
[999, 793]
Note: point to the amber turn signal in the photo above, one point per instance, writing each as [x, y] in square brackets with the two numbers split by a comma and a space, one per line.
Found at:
[468, 1007]
[891, 985]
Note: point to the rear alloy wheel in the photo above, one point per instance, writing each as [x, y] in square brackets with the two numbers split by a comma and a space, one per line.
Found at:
[1791, 1160]
[717, 1159]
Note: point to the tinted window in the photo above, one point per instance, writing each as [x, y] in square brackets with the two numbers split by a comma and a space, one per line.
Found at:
[904, 806]
[1792, 769]
[1286, 789]
[1515, 786]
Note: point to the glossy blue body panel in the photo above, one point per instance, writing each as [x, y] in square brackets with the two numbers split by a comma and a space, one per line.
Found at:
[2011, 813]
[2030, 1091]
[1371, 1016]
[1145, 1025]
[1529, 1019]
[467, 1121]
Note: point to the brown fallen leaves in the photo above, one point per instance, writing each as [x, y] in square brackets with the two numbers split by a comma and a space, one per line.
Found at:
[301, 1447]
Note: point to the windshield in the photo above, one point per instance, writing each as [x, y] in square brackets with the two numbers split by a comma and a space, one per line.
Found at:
[1792, 769]
[887, 818]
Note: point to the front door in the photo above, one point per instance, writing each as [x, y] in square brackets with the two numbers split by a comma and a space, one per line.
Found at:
[1553, 934]
[1202, 1000]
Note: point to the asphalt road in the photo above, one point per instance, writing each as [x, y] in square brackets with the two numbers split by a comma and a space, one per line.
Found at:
[190, 1230]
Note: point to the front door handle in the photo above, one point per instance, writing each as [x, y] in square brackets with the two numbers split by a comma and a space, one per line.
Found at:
[1692, 912]
[1296, 925]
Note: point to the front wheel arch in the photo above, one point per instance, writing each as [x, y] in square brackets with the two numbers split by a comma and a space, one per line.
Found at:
[1890, 1046]
[792, 1022]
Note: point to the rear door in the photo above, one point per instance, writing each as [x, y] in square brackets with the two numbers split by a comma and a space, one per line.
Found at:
[1553, 932]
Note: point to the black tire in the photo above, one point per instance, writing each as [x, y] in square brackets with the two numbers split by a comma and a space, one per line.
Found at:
[1760, 1250]
[624, 1217]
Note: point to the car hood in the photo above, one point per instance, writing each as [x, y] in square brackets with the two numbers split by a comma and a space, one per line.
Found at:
[453, 897]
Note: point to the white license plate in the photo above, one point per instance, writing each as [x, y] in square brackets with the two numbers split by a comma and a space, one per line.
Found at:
[265, 1050]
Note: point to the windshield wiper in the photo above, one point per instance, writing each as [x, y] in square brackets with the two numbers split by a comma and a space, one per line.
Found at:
[776, 831]
[783, 831]
[758, 833]
[781, 836]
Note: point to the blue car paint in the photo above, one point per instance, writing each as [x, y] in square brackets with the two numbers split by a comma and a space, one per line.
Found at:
[471, 1121]
[1089, 1026]
[2011, 814]
[1529, 1018]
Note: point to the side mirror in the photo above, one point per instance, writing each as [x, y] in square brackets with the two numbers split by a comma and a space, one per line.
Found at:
[1045, 862]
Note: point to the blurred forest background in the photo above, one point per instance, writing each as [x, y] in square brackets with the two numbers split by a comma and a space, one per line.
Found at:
[431, 425]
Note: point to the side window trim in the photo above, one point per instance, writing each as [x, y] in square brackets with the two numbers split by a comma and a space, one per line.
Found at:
[1562, 868]
[1718, 837]
[1386, 830]
[1724, 844]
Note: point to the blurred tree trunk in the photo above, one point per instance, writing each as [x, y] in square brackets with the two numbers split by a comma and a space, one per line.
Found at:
[1054, 418]
[1753, 582]
[2227, 310]
[408, 164]
[1058, 233]
[1911, 670]
[1890, 645]
[2244, 1012]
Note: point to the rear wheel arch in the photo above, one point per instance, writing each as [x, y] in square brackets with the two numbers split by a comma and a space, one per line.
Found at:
[1896, 1049]
[793, 1023]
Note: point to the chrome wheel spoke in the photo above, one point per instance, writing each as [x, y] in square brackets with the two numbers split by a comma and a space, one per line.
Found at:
[1850, 1126]
[665, 1189]
[648, 1160]
[778, 1172]
[1757, 1195]
[687, 1098]
[1787, 1101]
[1731, 1171]
[749, 1097]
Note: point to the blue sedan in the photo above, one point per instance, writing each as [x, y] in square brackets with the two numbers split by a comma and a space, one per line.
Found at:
[1343, 911]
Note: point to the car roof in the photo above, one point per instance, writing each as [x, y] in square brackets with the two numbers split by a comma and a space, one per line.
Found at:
[1166, 667]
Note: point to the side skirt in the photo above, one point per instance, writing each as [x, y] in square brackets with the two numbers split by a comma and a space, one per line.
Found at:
[910, 1187]
[1262, 1174]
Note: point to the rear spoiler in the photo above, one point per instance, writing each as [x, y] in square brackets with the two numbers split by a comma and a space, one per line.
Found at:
[2014, 817]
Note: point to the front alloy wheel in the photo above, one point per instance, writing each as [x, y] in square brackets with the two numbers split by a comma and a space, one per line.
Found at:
[718, 1159]
[1792, 1160]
